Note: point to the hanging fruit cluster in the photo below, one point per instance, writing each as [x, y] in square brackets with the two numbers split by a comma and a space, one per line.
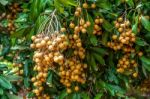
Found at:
[18, 68]
[145, 87]
[48, 51]
[97, 26]
[124, 41]
[127, 65]
[72, 71]
[14, 9]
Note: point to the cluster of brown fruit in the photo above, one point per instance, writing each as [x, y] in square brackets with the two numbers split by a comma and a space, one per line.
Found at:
[127, 66]
[81, 27]
[76, 44]
[72, 71]
[145, 87]
[125, 39]
[48, 51]
[97, 26]
[14, 9]
[18, 69]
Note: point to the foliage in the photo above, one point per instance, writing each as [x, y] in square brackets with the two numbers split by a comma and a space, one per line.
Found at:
[102, 79]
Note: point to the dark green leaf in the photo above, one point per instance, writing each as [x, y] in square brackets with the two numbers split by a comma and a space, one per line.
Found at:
[1, 91]
[99, 95]
[107, 26]
[84, 95]
[141, 42]
[76, 96]
[5, 83]
[63, 94]
[145, 22]
[99, 50]
[145, 60]
[93, 63]
[130, 3]
[93, 40]
[99, 58]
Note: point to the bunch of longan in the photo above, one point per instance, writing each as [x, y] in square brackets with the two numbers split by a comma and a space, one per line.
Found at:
[125, 64]
[81, 27]
[48, 51]
[126, 37]
[18, 68]
[14, 9]
[97, 26]
[145, 86]
[72, 71]
[76, 44]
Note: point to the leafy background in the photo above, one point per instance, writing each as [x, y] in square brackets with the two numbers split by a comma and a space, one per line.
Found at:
[103, 81]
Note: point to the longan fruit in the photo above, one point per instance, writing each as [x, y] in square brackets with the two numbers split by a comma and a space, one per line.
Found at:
[63, 29]
[85, 5]
[79, 9]
[69, 90]
[77, 13]
[76, 88]
[93, 6]
[120, 70]
[120, 19]
[140, 54]
[120, 30]
[88, 23]
[97, 21]
[114, 37]
[101, 21]
[83, 30]
[135, 74]
[72, 25]
[82, 21]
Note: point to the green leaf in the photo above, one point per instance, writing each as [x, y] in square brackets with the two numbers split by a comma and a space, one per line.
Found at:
[4, 2]
[30, 95]
[105, 38]
[26, 82]
[93, 63]
[5, 83]
[13, 77]
[26, 68]
[135, 26]
[84, 95]
[99, 58]
[50, 76]
[99, 50]
[145, 60]
[76, 96]
[11, 96]
[107, 26]
[104, 4]
[141, 42]
[63, 94]
[145, 22]
[1, 91]
[18, 33]
[93, 40]
[99, 95]
[130, 3]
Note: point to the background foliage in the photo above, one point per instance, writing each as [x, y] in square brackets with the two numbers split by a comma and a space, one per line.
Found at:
[103, 81]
